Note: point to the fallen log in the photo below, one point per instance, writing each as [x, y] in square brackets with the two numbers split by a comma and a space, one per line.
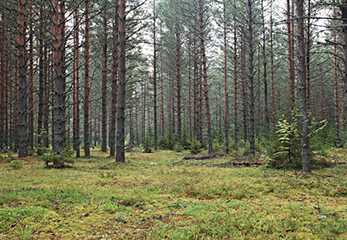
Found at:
[203, 157]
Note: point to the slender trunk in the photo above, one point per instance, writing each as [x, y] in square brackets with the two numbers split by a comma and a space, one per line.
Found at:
[267, 118]
[162, 94]
[251, 78]
[196, 90]
[31, 78]
[235, 87]
[41, 83]
[112, 133]
[47, 88]
[336, 102]
[155, 80]
[244, 93]
[226, 101]
[272, 67]
[22, 83]
[178, 79]
[290, 53]
[76, 85]
[104, 86]
[204, 64]
[120, 157]
[305, 154]
[86, 85]
[2, 83]
[308, 45]
[189, 92]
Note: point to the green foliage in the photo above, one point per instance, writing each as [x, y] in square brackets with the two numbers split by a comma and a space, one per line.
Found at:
[41, 148]
[66, 156]
[167, 142]
[285, 151]
[185, 142]
[216, 146]
[147, 145]
[25, 232]
[195, 147]
[16, 164]
[179, 148]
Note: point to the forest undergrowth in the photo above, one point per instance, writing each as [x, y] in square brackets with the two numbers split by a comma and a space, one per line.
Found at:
[159, 195]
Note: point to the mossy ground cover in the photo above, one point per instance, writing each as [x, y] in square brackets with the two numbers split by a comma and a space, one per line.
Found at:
[158, 196]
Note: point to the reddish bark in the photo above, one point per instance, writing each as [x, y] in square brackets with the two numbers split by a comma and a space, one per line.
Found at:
[162, 94]
[235, 87]
[41, 82]
[178, 79]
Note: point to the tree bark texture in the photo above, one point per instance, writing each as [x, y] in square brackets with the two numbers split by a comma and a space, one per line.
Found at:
[305, 154]
[22, 83]
[120, 153]
[58, 30]
[86, 85]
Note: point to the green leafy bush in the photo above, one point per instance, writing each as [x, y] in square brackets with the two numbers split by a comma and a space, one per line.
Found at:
[216, 147]
[195, 147]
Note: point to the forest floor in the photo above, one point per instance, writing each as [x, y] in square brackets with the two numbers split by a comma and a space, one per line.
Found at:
[161, 196]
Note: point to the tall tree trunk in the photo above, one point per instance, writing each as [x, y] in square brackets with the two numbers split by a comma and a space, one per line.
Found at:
[336, 93]
[178, 79]
[31, 77]
[244, 93]
[112, 133]
[120, 156]
[305, 154]
[104, 86]
[196, 90]
[226, 101]
[272, 67]
[2, 83]
[251, 78]
[86, 85]
[290, 53]
[22, 83]
[344, 35]
[204, 64]
[155, 80]
[162, 94]
[267, 118]
[58, 30]
[41, 83]
[76, 77]
[235, 87]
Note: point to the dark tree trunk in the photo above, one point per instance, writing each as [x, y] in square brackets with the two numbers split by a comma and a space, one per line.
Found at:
[267, 118]
[178, 79]
[272, 68]
[305, 153]
[155, 80]
[58, 30]
[2, 83]
[86, 85]
[41, 83]
[120, 155]
[162, 95]
[31, 78]
[204, 64]
[112, 133]
[251, 78]
[22, 83]
[76, 109]
[290, 53]
[244, 93]
[226, 101]
[235, 87]
[104, 86]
